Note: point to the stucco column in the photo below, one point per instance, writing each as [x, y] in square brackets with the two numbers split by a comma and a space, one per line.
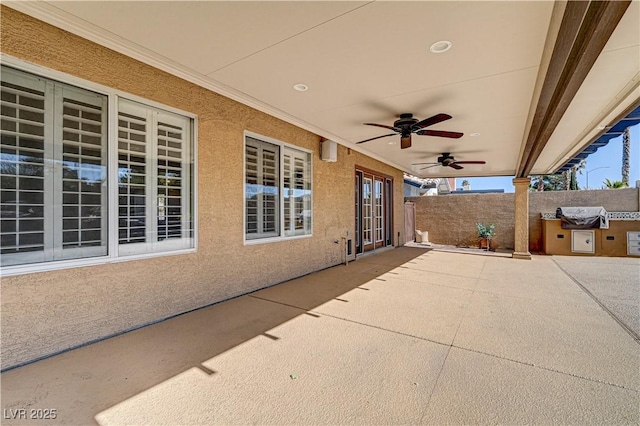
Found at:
[521, 218]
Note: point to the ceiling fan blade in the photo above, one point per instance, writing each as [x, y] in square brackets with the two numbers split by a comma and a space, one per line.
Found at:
[441, 133]
[377, 137]
[428, 167]
[405, 142]
[438, 118]
[455, 166]
[470, 162]
[421, 164]
[383, 126]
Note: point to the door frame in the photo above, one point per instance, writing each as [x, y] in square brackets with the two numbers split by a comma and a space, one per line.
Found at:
[382, 218]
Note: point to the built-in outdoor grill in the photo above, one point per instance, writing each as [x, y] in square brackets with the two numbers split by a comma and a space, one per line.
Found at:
[591, 231]
[582, 217]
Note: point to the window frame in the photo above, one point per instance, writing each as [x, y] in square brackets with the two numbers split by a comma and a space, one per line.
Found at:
[151, 243]
[113, 96]
[283, 146]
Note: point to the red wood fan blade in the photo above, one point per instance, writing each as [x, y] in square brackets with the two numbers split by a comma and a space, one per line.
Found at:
[428, 167]
[421, 164]
[384, 126]
[438, 118]
[470, 162]
[405, 142]
[377, 137]
[455, 166]
[441, 133]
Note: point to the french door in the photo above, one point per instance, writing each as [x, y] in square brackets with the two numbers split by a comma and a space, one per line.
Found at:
[373, 208]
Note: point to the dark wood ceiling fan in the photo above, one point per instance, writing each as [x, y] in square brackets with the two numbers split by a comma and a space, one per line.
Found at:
[447, 160]
[407, 124]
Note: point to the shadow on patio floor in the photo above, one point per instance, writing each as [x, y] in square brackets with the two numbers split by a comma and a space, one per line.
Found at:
[85, 381]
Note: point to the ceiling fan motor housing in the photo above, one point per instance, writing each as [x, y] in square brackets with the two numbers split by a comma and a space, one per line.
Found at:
[445, 157]
[405, 123]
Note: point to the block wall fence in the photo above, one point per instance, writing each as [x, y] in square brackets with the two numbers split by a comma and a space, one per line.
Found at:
[451, 219]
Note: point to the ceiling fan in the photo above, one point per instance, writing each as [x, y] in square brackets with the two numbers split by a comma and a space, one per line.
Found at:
[408, 124]
[447, 160]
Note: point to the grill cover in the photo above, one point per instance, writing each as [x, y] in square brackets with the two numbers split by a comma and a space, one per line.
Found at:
[582, 217]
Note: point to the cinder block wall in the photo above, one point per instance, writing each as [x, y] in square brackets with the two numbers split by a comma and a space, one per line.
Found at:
[451, 219]
[47, 312]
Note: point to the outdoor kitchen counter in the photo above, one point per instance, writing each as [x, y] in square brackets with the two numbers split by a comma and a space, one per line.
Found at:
[621, 239]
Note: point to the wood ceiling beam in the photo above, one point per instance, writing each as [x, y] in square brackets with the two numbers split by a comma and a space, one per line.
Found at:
[585, 29]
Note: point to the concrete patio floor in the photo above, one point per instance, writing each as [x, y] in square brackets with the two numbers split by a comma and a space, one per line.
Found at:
[406, 336]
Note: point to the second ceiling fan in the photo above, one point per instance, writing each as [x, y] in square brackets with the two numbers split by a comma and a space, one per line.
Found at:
[407, 124]
[447, 160]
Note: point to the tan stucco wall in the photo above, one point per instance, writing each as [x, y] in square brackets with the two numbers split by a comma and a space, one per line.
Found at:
[48, 312]
[451, 219]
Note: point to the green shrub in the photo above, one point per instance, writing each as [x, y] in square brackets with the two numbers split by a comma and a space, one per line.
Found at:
[485, 231]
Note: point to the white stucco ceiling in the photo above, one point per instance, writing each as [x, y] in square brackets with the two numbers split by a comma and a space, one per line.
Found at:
[369, 62]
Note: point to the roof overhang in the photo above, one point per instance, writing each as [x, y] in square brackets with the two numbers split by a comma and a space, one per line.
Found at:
[533, 79]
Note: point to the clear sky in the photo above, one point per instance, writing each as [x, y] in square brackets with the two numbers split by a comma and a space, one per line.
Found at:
[608, 157]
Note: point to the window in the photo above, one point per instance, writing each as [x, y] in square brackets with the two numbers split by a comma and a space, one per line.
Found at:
[154, 184]
[277, 190]
[297, 192]
[54, 167]
[262, 189]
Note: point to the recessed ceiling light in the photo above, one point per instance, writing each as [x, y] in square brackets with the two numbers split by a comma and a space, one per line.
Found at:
[474, 134]
[440, 46]
[392, 143]
[300, 87]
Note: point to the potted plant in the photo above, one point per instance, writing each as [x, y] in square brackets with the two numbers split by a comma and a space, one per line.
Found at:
[485, 233]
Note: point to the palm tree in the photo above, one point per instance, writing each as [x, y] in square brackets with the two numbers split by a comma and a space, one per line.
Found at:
[616, 184]
[537, 183]
[567, 180]
[573, 186]
[626, 153]
[547, 183]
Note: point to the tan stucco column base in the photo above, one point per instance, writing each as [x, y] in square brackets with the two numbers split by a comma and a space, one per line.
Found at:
[521, 219]
[516, 255]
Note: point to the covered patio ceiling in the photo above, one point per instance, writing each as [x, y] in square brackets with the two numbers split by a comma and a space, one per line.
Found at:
[530, 84]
